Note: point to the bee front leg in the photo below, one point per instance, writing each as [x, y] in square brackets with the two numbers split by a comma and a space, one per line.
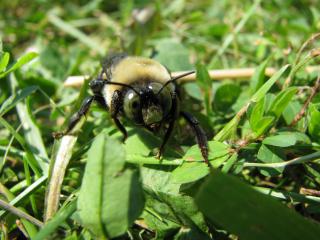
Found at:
[200, 135]
[174, 114]
[76, 117]
[116, 103]
[165, 139]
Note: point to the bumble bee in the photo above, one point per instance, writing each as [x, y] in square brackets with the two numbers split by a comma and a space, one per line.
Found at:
[143, 91]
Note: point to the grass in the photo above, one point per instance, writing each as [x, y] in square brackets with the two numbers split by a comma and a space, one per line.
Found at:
[263, 130]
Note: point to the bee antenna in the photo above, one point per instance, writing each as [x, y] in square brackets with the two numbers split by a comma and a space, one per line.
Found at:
[176, 78]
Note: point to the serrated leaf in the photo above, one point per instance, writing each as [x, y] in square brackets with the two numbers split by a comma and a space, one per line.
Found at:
[110, 198]
[249, 214]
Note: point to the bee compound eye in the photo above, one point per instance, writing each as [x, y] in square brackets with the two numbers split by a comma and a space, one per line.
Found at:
[132, 107]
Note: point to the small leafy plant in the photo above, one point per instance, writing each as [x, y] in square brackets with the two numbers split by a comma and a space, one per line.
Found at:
[263, 129]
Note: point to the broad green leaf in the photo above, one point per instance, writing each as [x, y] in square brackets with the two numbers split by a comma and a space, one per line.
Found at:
[15, 98]
[249, 214]
[110, 198]
[216, 150]
[4, 60]
[271, 154]
[141, 142]
[225, 96]
[192, 171]
[314, 126]
[281, 101]
[291, 111]
[299, 136]
[164, 200]
[21, 61]
[173, 54]
[281, 140]
[193, 90]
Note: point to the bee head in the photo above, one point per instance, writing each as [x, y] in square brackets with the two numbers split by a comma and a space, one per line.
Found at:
[148, 104]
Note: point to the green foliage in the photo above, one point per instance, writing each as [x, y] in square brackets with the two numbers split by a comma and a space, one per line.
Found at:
[114, 190]
[249, 214]
[111, 197]
[314, 127]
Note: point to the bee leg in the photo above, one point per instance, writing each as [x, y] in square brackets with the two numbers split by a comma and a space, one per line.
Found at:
[116, 103]
[200, 135]
[76, 117]
[175, 115]
[166, 138]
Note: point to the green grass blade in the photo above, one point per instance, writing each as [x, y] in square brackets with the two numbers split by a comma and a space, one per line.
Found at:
[62, 215]
[266, 87]
[32, 161]
[13, 100]
[32, 134]
[76, 33]
[231, 36]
